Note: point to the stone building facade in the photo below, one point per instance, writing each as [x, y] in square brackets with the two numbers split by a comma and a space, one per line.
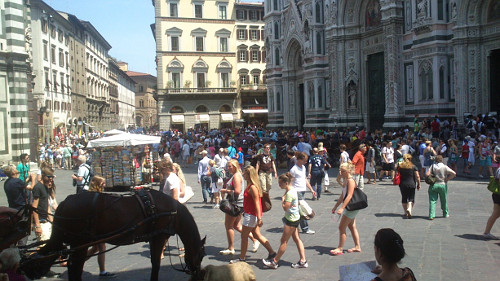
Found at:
[15, 83]
[196, 64]
[51, 67]
[377, 63]
[146, 115]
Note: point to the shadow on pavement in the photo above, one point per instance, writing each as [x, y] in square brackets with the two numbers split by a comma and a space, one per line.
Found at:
[275, 230]
[321, 249]
[472, 237]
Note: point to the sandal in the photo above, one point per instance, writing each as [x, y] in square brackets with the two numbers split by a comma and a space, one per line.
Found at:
[354, 250]
[336, 252]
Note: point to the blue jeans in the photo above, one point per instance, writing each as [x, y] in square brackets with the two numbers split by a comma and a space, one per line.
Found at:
[303, 223]
[316, 180]
[205, 181]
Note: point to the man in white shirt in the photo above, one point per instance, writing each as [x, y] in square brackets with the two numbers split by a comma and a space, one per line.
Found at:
[205, 180]
[185, 154]
[304, 147]
[300, 183]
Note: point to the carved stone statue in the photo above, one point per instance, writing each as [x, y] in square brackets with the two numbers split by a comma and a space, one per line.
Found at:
[422, 8]
[352, 95]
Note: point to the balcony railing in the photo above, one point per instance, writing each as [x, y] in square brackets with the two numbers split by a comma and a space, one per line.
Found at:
[247, 87]
[201, 90]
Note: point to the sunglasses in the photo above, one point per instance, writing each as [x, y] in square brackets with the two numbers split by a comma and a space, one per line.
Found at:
[50, 177]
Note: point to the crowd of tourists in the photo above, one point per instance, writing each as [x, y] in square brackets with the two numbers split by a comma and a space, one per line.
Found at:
[240, 165]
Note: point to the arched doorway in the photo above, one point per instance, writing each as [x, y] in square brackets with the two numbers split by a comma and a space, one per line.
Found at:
[295, 83]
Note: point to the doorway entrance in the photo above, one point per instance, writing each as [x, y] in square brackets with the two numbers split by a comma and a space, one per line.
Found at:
[494, 82]
[376, 91]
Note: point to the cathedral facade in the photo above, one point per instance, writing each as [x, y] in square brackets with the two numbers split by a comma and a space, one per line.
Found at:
[378, 63]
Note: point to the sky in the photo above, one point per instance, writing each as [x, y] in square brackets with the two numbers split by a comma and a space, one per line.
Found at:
[125, 24]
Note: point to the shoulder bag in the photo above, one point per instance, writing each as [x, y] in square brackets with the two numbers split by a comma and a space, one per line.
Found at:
[266, 202]
[305, 210]
[397, 178]
[359, 200]
[431, 179]
[494, 186]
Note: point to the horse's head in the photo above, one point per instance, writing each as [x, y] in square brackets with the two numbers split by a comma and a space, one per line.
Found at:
[194, 262]
[36, 265]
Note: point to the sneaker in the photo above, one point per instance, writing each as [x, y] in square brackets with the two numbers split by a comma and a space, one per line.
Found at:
[256, 245]
[300, 264]
[270, 256]
[237, 260]
[227, 252]
[270, 263]
[216, 206]
[446, 216]
[107, 275]
[309, 231]
[489, 236]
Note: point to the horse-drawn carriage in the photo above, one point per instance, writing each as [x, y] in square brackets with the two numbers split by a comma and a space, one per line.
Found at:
[89, 218]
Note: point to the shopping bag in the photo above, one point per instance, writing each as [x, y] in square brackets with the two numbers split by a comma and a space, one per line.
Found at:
[326, 180]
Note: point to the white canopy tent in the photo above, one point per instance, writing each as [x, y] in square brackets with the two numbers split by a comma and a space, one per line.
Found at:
[123, 139]
[113, 132]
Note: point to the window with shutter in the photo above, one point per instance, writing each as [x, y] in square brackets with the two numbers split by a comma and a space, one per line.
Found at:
[263, 56]
[247, 55]
[262, 35]
[246, 34]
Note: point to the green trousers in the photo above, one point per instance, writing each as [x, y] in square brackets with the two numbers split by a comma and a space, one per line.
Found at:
[436, 190]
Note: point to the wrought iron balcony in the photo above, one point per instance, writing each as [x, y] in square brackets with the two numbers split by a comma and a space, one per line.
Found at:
[200, 91]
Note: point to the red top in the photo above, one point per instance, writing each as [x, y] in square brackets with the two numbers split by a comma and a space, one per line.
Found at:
[465, 151]
[359, 163]
[248, 203]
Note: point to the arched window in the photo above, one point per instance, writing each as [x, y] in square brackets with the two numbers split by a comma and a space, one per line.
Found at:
[426, 83]
[276, 30]
[320, 96]
[225, 108]
[270, 102]
[278, 101]
[277, 57]
[176, 109]
[318, 11]
[275, 5]
[201, 109]
[441, 83]
[319, 43]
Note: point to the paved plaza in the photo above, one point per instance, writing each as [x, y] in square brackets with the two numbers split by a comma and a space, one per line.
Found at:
[444, 249]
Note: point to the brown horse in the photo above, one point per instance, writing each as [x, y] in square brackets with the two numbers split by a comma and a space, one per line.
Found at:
[88, 218]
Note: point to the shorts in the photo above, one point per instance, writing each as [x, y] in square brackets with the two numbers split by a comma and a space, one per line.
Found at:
[291, 223]
[388, 166]
[370, 170]
[496, 198]
[350, 214]
[215, 188]
[185, 156]
[249, 220]
[485, 162]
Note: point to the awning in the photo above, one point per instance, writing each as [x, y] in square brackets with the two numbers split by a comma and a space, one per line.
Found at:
[255, 111]
[226, 117]
[177, 118]
[203, 117]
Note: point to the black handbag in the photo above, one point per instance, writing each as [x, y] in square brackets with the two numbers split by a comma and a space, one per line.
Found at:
[359, 200]
[230, 207]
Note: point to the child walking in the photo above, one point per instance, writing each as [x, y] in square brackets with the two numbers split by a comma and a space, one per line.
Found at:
[290, 204]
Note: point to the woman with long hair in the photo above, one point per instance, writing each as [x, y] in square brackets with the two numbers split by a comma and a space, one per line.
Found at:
[233, 192]
[252, 216]
[348, 217]
[410, 179]
[453, 159]
[97, 184]
[291, 221]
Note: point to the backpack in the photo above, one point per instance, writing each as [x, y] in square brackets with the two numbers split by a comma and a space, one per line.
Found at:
[469, 124]
[90, 175]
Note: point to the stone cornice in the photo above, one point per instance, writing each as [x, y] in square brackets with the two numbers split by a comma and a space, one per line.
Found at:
[196, 20]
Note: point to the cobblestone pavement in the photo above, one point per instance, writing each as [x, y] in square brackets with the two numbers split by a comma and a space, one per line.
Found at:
[444, 249]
